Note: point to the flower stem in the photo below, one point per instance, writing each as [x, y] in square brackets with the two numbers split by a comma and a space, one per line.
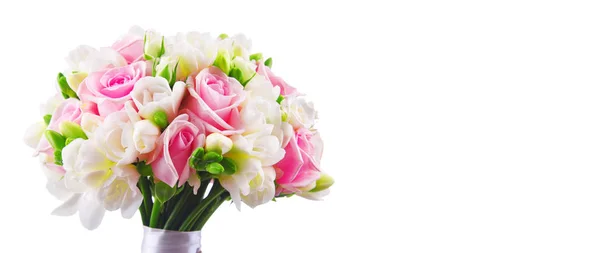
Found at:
[154, 218]
[209, 212]
[174, 217]
[215, 192]
[144, 186]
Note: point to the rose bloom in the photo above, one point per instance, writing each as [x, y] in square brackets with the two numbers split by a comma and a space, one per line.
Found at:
[215, 98]
[111, 88]
[300, 167]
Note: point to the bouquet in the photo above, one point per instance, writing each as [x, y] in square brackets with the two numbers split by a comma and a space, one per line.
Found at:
[174, 127]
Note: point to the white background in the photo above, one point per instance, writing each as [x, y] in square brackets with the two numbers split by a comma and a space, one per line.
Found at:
[470, 126]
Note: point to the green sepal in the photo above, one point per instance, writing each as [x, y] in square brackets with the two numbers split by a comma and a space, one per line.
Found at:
[174, 75]
[212, 157]
[144, 169]
[166, 74]
[65, 89]
[162, 47]
[256, 57]
[215, 168]
[237, 74]
[163, 192]
[229, 165]
[279, 99]
[269, 62]
[72, 130]
[56, 140]
[47, 119]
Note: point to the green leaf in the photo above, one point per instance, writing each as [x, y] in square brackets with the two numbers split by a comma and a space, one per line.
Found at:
[215, 168]
[65, 89]
[163, 192]
[269, 62]
[56, 140]
[72, 130]
[174, 75]
[47, 118]
[212, 157]
[256, 57]
[279, 99]
[229, 165]
[196, 159]
[159, 118]
[144, 169]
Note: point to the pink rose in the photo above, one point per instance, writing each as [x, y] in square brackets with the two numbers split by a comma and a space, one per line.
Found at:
[131, 47]
[176, 144]
[68, 110]
[111, 88]
[299, 168]
[215, 98]
[285, 89]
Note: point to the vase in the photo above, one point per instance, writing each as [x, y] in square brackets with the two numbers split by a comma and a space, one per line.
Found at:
[166, 241]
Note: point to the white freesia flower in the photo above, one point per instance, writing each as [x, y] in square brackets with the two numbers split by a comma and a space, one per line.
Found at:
[237, 45]
[300, 111]
[195, 51]
[98, 184]
[145, 135]
[259, 86]
[87, 59]
[115, 138]
[151, 94]
[89, 123]
[51, 104]
[218, 142]
[254, 156]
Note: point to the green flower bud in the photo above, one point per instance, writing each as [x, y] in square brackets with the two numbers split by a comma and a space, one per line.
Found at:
[229, 165]
[256, 57]
[56, 140]
[223, 61]
[72, 130]
[269, 62]
[144, 169]
[159, 118]
[47, 119]
[196, 159]
[212, 157]
[223, 36]
[215, 168]
[163, 192]
[279, 99]
[244, 70]
[58, 157]
[323, 183]
[65, 89]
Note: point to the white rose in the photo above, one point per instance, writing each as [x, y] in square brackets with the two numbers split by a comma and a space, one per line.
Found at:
[194, 50]
[153, 93]
[145, 135]
[115, 138]
[87, 59]
[300, 111]
[237, 45]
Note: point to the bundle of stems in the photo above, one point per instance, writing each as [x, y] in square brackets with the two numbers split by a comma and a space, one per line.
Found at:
[184, 211]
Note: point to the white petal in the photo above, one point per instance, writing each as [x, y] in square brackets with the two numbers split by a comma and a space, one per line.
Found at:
[70, 154]
[34, 133]
[91, 211]
[218, 142]
[89, 123]
[69, 207]
[131, 203]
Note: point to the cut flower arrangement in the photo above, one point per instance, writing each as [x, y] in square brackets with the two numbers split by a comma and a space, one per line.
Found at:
[174, 127]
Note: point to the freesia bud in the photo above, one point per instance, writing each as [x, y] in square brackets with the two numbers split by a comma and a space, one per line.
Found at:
[212, 157]
[71, 130]
[223, 61]
[242, 70]
[323, 183]
[56, 140]
[215, 168]
[75, 79]
[229, 165]
[65, 89]
[223, 36]
[219, 143]
[160, 119]
[196, 158]
[145, 135]
[47, 118]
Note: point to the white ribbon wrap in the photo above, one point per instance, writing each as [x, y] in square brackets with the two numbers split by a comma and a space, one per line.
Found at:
[165, 241]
